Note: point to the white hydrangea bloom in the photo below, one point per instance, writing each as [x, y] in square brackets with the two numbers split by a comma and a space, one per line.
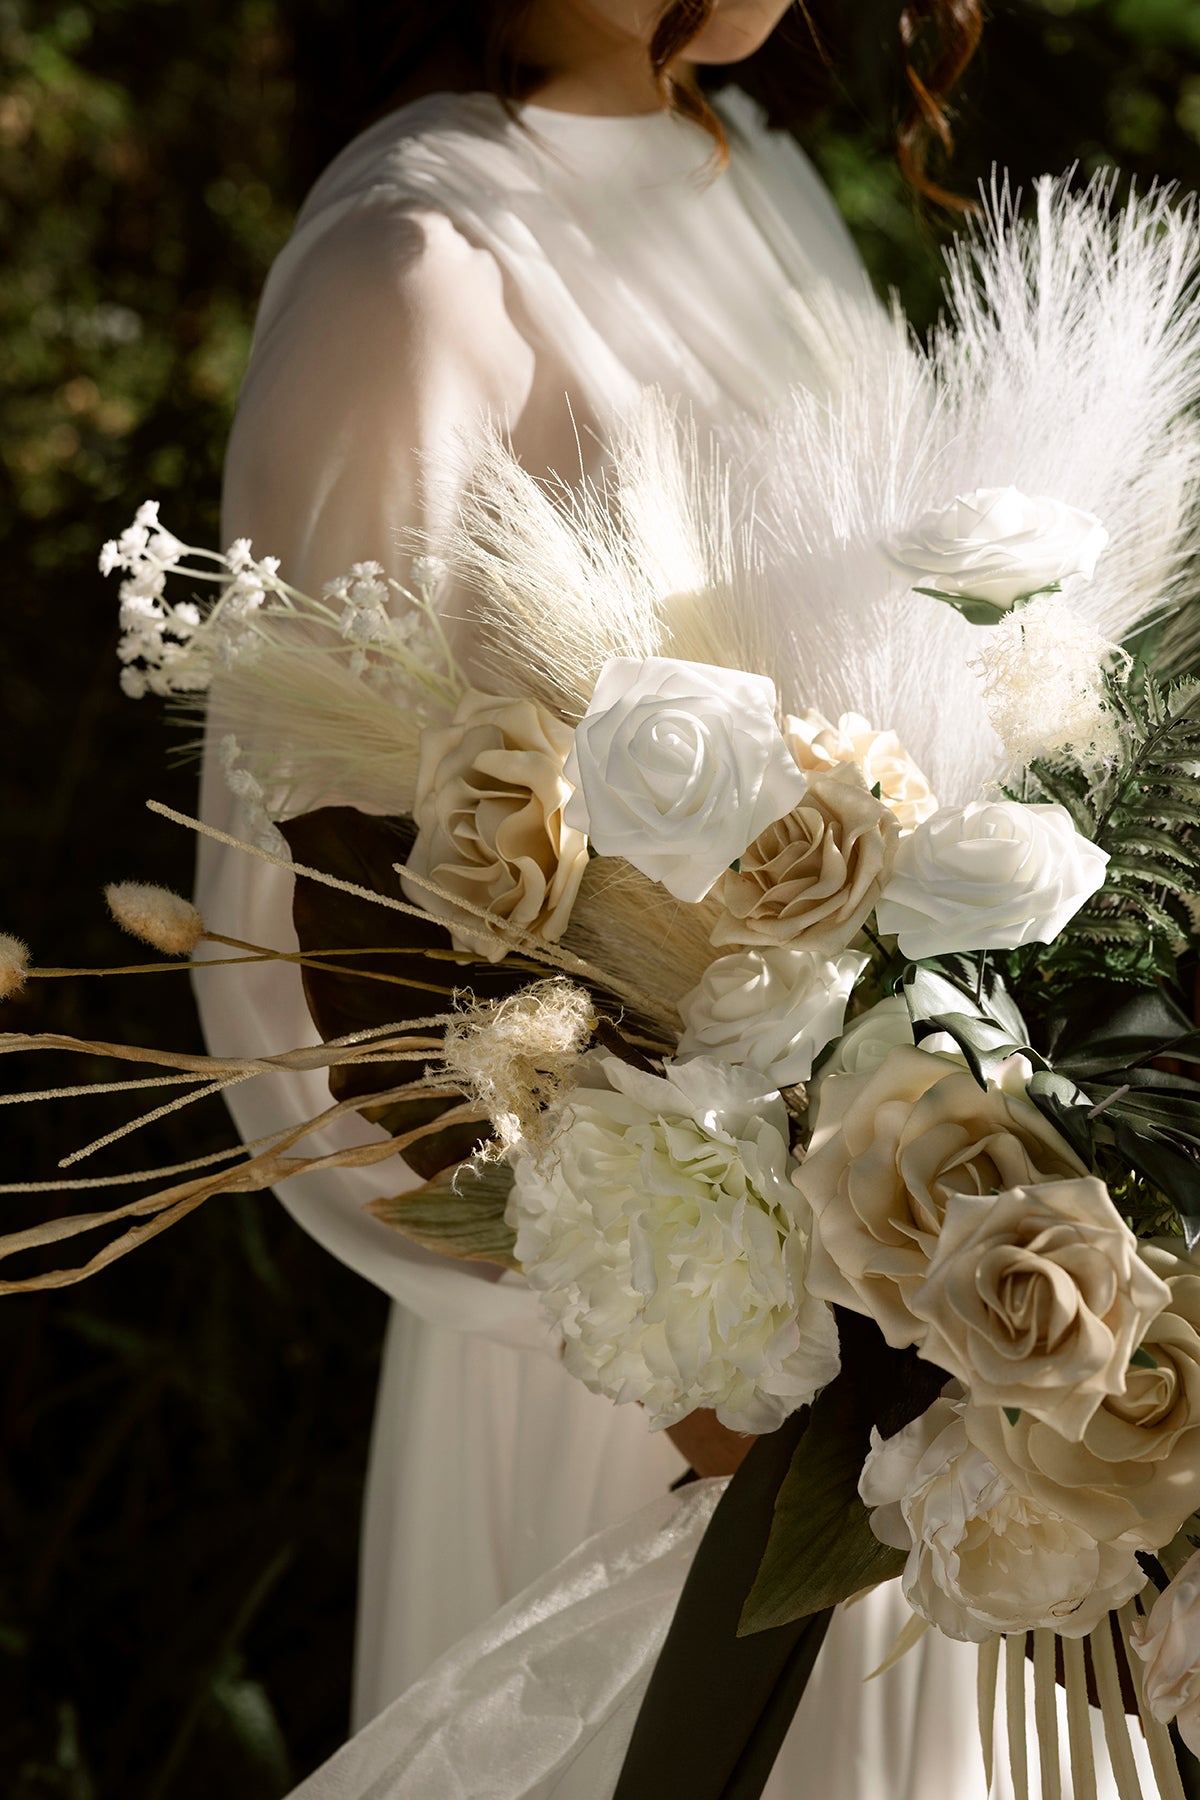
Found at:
[666, 1240]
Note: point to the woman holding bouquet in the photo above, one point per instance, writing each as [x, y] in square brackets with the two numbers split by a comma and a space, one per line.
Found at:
[548, 218]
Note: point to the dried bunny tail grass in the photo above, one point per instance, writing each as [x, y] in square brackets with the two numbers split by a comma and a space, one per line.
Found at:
[312, 731]
[517, 1057]
[157, 916]
[650, 559]
[14, 965]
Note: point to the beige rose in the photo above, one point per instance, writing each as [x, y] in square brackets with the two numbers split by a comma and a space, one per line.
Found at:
[1168, 1642]
[889, 1151]
[1137, 1467]
[816, 743]
[1036, 1298]
[489, 816]
[810, 879]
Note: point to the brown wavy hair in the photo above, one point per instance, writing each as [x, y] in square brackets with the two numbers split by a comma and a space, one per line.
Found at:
[471, 43]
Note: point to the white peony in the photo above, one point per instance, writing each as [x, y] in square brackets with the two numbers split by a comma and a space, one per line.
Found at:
[667, 1243]
[997, 545]
[988, 876]
[1168, 1642]
[774, 1009]
[981, 1557]
[677, 767]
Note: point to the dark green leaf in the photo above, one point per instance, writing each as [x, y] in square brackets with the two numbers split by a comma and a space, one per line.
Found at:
[718, 1705]
[1171, 1169]
[1012, 1414]
[821, 1548]
[1067, 1107]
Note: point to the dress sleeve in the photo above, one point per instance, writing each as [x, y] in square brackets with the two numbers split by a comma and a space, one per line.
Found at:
[383, 335]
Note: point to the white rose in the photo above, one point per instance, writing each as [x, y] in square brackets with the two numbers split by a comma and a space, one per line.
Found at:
[666, 1241]
[817, 743]
[998, 545]
[981, 1557]
[677, 767]
[1036, 1299]
[988, 876]
[774, 1009]
[1168, 1642]
[866, 1043]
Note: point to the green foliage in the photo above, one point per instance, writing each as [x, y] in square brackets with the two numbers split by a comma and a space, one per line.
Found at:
[821, 1548]
[1142, 809]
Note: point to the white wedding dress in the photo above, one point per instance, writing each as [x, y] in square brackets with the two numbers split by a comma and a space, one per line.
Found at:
[456, 264]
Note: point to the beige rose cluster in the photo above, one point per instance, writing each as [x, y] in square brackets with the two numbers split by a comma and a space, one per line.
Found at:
[959, 1220]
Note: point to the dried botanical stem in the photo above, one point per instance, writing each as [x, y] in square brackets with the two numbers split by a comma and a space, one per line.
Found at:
[267, 1169]
[535, 948]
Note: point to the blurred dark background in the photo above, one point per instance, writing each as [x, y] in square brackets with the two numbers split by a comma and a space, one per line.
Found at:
[183, 1439]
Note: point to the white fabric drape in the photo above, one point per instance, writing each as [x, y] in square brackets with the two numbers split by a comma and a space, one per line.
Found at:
[455, 264]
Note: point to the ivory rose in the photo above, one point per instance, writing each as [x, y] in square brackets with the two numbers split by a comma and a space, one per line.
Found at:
[1136, 1469]
[812, 877]
[667, 1243]
[817, 743]
[773, 1009]
[998, 545]
[1168, 1642]
[988, 876]
[1036, 1299]
[677, 766]
[889, 1151]
[982, 1557]
[490, 823]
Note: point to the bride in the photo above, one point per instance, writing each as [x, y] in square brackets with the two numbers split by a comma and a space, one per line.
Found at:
[549, 217]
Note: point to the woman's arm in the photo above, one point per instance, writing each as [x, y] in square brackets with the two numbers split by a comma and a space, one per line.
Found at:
[382, 338]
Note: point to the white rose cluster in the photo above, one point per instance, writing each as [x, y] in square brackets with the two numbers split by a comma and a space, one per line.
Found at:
[677, 767]
[991, 875]
[669, 1246]
[997, 546]
[1168, 1642]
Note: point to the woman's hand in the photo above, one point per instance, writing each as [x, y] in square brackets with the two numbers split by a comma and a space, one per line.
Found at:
[710, 1447]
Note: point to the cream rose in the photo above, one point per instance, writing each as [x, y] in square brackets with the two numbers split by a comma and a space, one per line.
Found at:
[665, 1238]
[489, 816]
[1168, 1642]
[773, 1009]
[997, 545]
[1036, 1299]
[677, 766]
[817, 743]
[890, 1150]
[982, 1557]
[988, 876]
[1136, 1469]
[812, 877]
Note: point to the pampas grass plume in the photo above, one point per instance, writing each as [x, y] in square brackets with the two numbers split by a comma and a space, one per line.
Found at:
[158, 917]
[14, 965]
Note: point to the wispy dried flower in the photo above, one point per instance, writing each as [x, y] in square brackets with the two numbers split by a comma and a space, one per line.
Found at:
[156, 915]
[516, 1057]
[1043, 671]
[14, 965]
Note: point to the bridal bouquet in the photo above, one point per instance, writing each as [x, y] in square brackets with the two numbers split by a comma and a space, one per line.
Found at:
[786, 896]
